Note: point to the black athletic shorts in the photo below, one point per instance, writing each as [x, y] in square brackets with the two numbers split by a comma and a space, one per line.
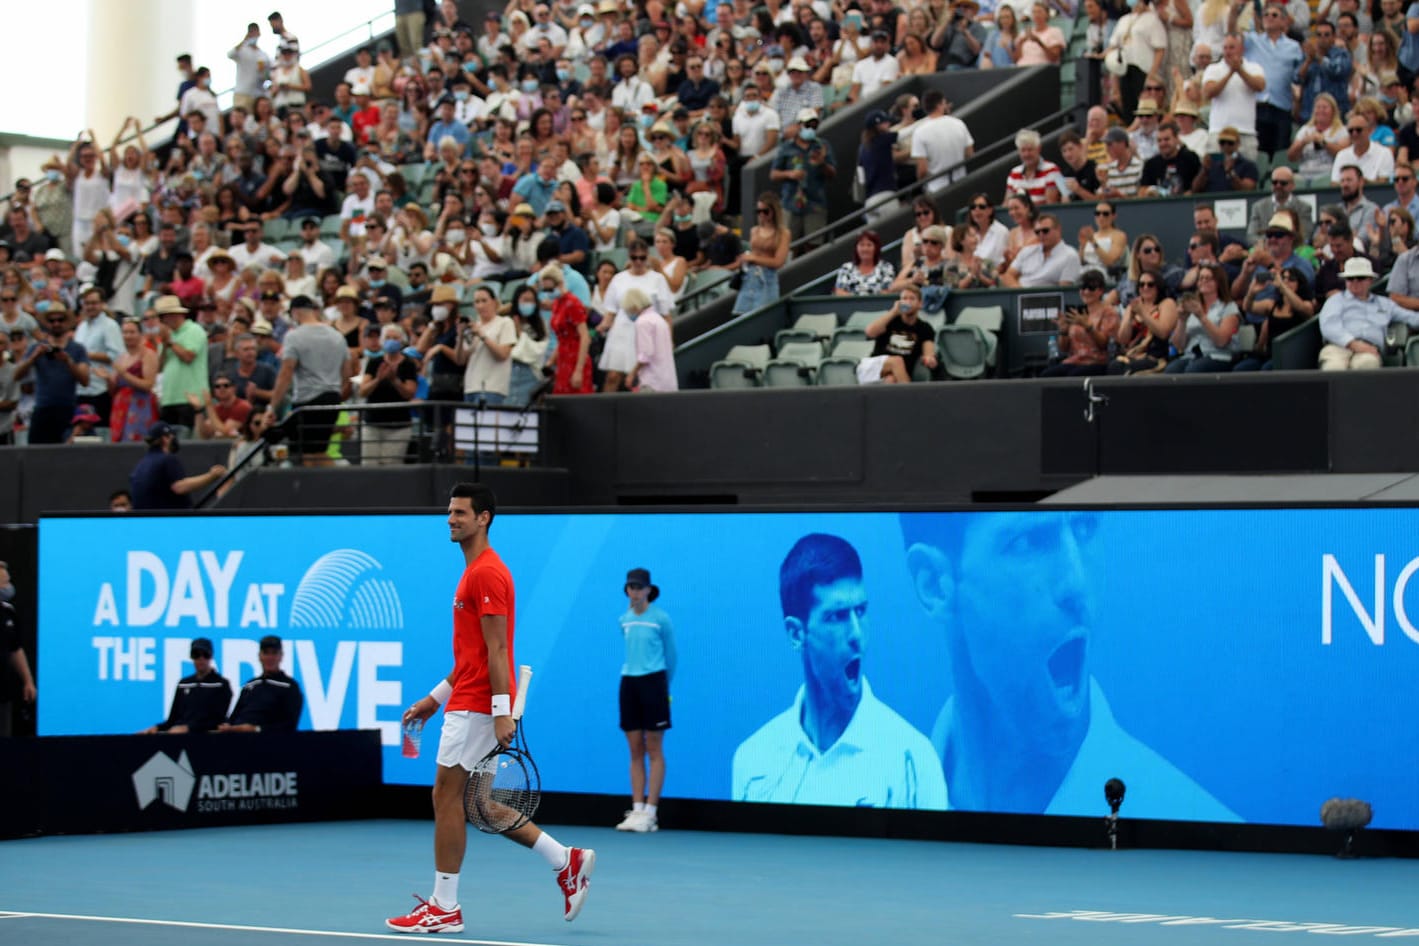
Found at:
[645, 702]
[313, 426]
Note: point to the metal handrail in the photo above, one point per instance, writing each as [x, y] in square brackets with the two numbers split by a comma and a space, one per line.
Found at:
[986, 155]
[442, 411]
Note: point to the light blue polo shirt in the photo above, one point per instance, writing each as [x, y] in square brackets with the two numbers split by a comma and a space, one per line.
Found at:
[650, 643]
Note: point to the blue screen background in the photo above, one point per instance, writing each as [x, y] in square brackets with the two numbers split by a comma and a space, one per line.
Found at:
[1207, 637]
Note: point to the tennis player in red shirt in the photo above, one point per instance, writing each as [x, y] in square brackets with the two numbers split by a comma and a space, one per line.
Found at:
[477, 698]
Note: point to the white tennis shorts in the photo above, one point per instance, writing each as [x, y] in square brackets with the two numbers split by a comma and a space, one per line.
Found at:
[466, 737]
[869, 369]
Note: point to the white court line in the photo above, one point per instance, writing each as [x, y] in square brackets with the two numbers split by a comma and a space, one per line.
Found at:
[266, 929]
[14, 916]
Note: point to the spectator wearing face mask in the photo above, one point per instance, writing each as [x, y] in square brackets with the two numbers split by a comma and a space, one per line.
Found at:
[803, 167]
[439, 342]
[390, 378]
[484, 348]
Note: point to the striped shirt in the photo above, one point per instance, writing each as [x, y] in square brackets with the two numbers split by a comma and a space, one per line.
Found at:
[1122, 179]
[1036, 185]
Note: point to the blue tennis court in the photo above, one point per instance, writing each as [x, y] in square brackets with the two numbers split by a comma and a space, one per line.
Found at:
[305, 884]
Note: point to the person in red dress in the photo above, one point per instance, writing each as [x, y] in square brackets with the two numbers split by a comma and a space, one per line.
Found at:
[477, 697]
[569, 325]
[134, 407]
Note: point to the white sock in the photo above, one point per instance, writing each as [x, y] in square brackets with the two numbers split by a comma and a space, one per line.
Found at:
[553, 853]
[638, 806]
[445, 890]
[649, 809]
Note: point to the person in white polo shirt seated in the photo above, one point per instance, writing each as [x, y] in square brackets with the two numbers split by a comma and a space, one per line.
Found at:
[1375, 161]
[836, 743]
[1047, 262]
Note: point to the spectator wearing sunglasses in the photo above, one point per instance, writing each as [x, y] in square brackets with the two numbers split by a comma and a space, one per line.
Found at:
[1206, 334]
[1277, 251]
[1280, 58]
[1353, 323]
[1405, 197]
[1290, 304]
[1374, 161]
[1047, 262]
[1085, 331]
[1228, 170]
[994, 235]
[1283, 197]
[60, 366]
[220, 413]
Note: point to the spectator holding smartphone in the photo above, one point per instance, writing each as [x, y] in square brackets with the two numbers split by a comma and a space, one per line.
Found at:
[60, 366]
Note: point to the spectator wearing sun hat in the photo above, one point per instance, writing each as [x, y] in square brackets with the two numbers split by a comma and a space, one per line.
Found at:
[802, 168]
[1353, 323]
[183, 358]
[799, 94]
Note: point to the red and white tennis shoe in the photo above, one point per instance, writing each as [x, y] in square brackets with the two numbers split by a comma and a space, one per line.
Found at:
[428, 917]
[575, 879]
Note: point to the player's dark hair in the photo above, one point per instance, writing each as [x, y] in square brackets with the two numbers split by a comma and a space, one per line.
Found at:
[480, 496]
[815, 560]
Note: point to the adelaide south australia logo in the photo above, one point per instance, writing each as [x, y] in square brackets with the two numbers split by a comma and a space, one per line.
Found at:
[171, 781]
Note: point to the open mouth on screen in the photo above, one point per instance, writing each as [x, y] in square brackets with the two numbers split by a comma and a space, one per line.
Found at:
[1066, 670]
[853, 671]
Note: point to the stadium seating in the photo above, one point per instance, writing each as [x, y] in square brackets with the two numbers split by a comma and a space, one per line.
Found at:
[963, 351]
[742, 367]
[794, 366]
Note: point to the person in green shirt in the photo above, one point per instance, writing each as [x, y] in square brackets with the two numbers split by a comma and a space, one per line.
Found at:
[645, 201]
[183, 355]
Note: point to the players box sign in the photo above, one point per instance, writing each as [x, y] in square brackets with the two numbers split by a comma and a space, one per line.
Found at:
[1229, 665]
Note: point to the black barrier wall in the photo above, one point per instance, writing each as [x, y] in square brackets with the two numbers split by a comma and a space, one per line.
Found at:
[979, 441]
[78, 477]
[148, 783]
[956, 442]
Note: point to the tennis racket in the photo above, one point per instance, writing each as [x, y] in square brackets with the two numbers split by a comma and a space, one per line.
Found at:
[504, 788]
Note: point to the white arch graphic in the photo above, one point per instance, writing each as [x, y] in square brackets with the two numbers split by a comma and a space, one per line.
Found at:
[342, 589]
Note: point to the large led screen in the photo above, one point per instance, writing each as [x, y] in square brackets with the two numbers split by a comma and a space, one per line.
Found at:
[1229, 665]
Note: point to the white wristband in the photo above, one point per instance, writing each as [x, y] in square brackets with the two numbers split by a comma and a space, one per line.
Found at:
[502, 704]
[442, 692]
